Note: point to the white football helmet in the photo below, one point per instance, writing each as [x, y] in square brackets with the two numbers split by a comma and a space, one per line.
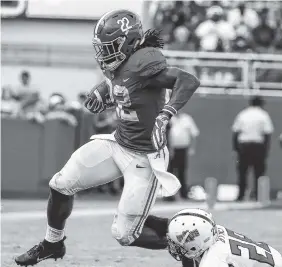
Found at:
[190, 233]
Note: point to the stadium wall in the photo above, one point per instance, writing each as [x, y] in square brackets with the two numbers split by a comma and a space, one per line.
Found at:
[32, 153]
[214, 115]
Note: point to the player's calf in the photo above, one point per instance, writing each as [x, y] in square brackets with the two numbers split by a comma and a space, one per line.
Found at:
[52, 247]
[58, 210]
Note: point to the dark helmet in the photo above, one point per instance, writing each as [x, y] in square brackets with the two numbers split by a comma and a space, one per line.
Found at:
[116, 36]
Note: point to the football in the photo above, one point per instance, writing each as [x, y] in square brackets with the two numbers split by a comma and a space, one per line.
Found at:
[102, 91]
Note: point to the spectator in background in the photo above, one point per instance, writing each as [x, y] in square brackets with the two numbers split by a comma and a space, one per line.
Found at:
[280, 140]
[26, 93]
[197, 14]
[182, 139]
[278, 38]
[179, 14]
[243, 15]
[78, 103]
[26, 100]
[215, 34]
[162, 20]
[84, 120]
[243, 40]
[252, 130]
[263, 34]
[57, 110]
[9, 105]
[184, 40]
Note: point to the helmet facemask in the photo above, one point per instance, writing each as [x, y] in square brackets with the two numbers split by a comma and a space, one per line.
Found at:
[178, 252]
[108, 54]
[175, 250]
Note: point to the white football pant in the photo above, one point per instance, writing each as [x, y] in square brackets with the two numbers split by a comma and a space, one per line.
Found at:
[102, 161]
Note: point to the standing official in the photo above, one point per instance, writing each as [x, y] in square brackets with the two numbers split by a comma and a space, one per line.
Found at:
[182, 138]
[252, 130]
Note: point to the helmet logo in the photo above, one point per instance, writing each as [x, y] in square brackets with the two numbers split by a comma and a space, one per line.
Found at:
[124, 24]
[190, 237]
[182, 235]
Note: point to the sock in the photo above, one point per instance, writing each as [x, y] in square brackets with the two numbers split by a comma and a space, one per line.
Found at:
[54, 235]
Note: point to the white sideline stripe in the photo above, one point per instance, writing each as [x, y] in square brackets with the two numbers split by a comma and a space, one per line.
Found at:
[28, 215]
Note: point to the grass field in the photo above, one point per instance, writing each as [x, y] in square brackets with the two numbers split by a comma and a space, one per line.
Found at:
[89, 242]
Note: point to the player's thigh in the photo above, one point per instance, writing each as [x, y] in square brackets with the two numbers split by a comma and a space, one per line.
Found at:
[138, 196]
[90, 165]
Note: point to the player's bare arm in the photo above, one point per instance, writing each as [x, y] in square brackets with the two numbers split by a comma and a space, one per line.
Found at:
[183, 85]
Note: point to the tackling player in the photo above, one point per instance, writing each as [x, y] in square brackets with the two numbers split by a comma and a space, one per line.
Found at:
[194, 235]
[136, 74]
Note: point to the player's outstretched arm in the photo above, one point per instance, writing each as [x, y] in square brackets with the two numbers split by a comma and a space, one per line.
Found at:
[98, 99]
[183, 85]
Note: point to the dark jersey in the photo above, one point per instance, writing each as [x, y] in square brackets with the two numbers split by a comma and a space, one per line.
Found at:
[138, 103]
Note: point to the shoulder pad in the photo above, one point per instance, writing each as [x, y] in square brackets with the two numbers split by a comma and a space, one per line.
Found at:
[147, 62]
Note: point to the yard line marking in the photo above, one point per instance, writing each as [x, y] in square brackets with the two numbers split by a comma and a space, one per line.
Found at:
[164, 207]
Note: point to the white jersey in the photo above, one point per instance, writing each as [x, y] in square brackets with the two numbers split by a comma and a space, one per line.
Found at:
[237, 250]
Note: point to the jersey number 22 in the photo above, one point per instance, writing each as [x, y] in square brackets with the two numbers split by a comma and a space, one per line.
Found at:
[123, 109]
[236, 245]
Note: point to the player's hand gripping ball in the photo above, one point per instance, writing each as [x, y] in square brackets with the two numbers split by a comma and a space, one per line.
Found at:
[158, 137]
[98, 99]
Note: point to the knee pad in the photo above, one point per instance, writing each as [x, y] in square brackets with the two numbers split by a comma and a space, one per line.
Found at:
[64, 183]
[123, 237]
[59, 184]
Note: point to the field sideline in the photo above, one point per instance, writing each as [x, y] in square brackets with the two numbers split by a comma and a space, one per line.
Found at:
[89, 242]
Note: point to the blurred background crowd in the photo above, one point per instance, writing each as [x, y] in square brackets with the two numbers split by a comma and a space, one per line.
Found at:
[48, 67]
[220, 26]
[23, 101]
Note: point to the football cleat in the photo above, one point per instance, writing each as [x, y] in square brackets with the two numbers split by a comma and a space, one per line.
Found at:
[42, 252]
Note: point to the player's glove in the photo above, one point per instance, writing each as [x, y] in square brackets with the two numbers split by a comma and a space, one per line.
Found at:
[158, 137]
[98, 99]
[94, 102]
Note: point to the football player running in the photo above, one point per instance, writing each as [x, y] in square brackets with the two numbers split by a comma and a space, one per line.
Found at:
[136, 74]
[194, 236]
